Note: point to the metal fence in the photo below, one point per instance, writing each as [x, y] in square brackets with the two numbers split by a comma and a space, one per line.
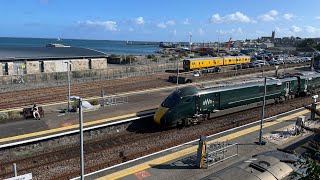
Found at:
[57, 78]
[113, 100]
[218, 152]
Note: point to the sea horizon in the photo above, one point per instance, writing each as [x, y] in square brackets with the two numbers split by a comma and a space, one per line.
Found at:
[107, 46]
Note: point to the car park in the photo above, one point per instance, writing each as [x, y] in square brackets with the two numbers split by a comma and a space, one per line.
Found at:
[274, 62]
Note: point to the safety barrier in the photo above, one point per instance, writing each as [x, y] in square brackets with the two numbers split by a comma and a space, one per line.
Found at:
[210, 154]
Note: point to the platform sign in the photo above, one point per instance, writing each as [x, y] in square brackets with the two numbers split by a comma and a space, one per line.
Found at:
[22, 177]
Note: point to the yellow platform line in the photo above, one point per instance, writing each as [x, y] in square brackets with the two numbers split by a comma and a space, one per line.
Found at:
[29, 135]
[190, 150]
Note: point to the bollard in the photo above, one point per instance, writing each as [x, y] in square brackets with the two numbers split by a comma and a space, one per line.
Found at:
[15, 169]
[201, 152]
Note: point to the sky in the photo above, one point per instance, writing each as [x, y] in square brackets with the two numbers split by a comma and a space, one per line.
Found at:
[159, 20]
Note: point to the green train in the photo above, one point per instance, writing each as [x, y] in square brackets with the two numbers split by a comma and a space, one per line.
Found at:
[191, 105]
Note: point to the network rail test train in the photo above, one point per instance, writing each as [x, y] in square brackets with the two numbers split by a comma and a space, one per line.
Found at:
[201, 63]
[192, 104]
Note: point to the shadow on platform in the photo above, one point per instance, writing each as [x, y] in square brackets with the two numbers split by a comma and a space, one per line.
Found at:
[185, 163]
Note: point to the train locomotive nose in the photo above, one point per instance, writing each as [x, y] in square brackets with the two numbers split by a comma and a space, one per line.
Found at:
[159, 114]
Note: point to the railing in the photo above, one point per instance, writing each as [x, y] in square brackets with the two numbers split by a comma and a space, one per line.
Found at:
[218, 152]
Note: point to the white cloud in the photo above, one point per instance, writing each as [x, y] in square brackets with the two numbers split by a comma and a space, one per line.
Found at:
[273, 12]
[201, 31]
[235, 17]
[186, 21]
[131, 29]
[139, 20]
[171, 23]
[311, 29]
[288, 16]
[107, 25]
[162, 25]
[269, 16]
[231, 32]
[318, 17]
[215, 18]
[295, 29]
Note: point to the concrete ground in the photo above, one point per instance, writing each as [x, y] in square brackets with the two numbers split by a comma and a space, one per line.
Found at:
[184, 167]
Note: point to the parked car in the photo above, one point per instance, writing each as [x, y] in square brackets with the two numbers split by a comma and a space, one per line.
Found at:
[238, 66]
[245, 65]
[274, 62]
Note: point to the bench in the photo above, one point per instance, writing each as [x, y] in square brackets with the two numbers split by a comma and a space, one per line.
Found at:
[28, 113]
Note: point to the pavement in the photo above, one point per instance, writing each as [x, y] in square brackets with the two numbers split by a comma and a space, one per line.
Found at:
[180, 163]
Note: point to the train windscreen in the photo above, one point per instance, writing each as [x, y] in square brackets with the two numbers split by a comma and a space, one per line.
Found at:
[171, 101]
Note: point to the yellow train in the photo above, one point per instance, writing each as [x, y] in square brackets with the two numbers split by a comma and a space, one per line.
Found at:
[200, 63]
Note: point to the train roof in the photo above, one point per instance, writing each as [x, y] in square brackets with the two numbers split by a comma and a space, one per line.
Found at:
[308, 75]
[210, 58]
[227, 88]
[204, 58]
[201, 90]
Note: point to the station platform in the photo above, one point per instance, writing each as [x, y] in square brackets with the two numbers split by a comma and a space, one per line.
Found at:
[139, 103]
[180, 162]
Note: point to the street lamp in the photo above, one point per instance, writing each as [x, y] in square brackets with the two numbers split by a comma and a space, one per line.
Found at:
[263, 107]
[74, 98]
[68, 72]
[190, 36]
[177, 73]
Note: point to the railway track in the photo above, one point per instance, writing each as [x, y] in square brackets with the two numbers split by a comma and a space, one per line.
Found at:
[91, 89]
[143, 139]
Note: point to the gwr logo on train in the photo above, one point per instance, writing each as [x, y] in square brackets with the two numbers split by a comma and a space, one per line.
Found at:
[208, 102]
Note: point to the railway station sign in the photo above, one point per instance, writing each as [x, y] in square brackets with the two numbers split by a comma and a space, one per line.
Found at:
[22, 177]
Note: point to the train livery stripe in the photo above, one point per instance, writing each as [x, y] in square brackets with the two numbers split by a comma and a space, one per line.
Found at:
[190, 150]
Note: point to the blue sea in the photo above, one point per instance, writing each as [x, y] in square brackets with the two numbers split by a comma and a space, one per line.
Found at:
[107, 46]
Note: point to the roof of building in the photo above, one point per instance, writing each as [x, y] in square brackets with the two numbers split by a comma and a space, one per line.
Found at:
[46, 53]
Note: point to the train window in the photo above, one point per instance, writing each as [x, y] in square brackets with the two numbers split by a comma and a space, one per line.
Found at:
[199, 63]
[229, 60]
[187, 100]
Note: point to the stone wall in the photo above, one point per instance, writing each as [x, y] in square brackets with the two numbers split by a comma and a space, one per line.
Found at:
[79, 64]
[33, 67]
[99, 63]
[49, 66]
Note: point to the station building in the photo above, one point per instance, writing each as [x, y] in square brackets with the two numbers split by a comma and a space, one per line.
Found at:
[48, 59]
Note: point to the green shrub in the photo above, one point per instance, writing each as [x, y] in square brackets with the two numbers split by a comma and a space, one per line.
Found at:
[94, 102]
[14, 115]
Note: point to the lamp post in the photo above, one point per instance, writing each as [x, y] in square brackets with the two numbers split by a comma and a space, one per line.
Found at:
[264, 63]
[177, 73]
[81, 135]
[68, 72]
[190, 36]
[263, 107]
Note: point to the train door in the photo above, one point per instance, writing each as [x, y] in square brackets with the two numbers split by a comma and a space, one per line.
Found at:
[287, 89]
[197, 104]
[306, 83]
